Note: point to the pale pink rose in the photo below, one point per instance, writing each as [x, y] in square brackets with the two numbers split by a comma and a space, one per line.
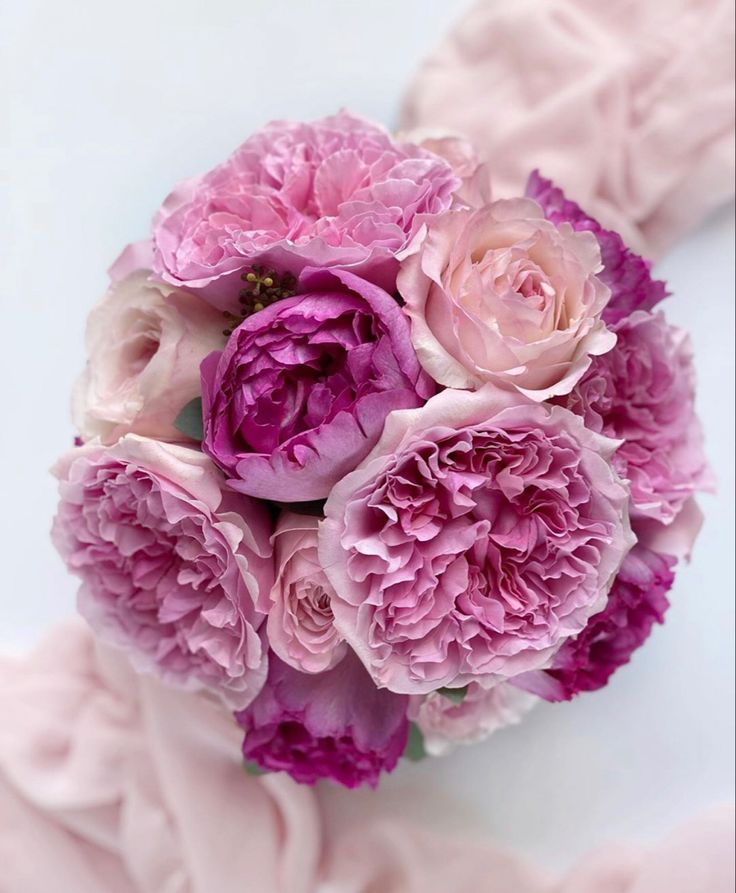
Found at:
[502, 295]
[300, 626]
[445, 723]
[175, 570]
[337, 192]
[482, 532]
[145, 341]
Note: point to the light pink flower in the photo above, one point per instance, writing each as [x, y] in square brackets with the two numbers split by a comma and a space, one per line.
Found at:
[145, 341]
[502, 295]
[482, 531]
[300, 626]
[445, 723]
[475, 177]
[337, 192]
[643, 393]
[174, 570]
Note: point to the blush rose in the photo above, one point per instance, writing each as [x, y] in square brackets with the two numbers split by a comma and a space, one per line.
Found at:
[145, 341]
[502, 295]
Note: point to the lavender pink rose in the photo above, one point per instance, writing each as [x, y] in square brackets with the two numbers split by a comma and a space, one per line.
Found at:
[482, 532]
[173, 567]
[300, 393]
[337, 192]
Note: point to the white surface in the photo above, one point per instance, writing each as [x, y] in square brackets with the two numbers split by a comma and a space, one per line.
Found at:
[106, 106]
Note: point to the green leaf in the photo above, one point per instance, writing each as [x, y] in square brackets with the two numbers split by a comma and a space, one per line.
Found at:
[415, 744]
[456, 695]
[189, 420]
[253, 769]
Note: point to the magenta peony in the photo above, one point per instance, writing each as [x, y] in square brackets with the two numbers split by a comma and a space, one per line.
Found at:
[334, 725]
[502, 295]
[637, 601]
[172, 567]
[145, 341]
[444, 722]
[624, 272]
[337, 192]
[300, 627]
[642, 392]
[300, 393]
[482, 532]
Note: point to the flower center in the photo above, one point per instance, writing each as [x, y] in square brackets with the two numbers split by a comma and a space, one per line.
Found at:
[262, 288]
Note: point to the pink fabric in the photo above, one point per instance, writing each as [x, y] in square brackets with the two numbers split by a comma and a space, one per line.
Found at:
[110, 782]
[628, 105]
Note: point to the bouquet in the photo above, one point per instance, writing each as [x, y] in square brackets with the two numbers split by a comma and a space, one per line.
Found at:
[373, 457]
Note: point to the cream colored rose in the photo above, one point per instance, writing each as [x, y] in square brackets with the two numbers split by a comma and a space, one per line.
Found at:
[503, 295]
[145, 341]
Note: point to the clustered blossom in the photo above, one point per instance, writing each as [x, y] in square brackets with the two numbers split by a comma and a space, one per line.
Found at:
[447, 456]
[300, 393]
[481, 533]
[171, 564]
[337, 192]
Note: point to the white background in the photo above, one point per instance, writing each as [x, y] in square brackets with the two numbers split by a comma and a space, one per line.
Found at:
[106, 106]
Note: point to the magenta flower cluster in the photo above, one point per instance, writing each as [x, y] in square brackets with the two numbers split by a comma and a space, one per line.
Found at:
[373, 458]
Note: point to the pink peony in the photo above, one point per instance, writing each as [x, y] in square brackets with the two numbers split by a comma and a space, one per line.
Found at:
[334, 725]
[337, 192]
[482, 531]
[173, 568]
[642, 392]
[502, 295]
[637, 601]
[445, 723]
[145, 341]
[300, 626]
[300, 393]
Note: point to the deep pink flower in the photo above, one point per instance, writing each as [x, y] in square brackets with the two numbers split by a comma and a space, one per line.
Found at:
[173, 567]
[334, 725]
[624, 272]
[482, 531]
[300, 393]
[637, 601]
[337, 192]
[643, 392]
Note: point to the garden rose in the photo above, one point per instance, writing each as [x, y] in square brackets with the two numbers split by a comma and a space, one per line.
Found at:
[624, 272]
[637, 601]
[334, 725]
[145, 341]
[300, 393]
[502, 295]
[337, 192]
[301, 628]
[482, 532]
[445, 723]
[172, 566]
[643, 392]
